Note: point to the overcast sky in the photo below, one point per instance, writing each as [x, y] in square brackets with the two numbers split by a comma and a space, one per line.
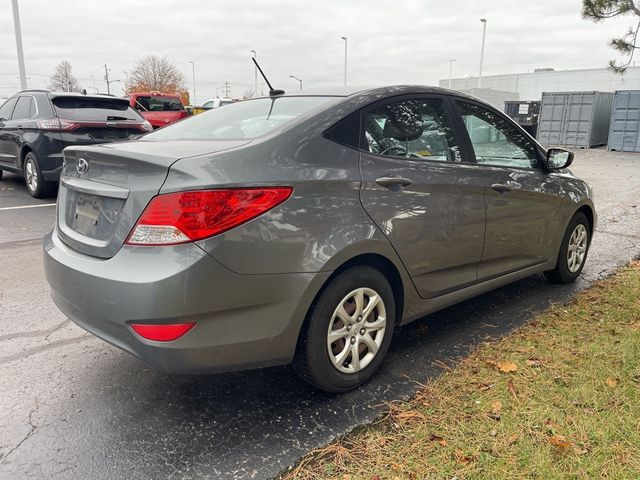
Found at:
[390, 42]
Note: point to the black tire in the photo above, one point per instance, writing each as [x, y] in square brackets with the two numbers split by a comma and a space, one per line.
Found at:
[1, 173]
[312, 361]
[562, 273]
[36, 185]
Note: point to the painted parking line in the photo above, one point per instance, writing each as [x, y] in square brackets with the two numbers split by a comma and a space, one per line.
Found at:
[28, 206]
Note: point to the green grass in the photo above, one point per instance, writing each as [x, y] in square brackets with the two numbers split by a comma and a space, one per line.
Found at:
[557, 399]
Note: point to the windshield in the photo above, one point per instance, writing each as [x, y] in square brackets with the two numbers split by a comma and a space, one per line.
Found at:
[248, 119]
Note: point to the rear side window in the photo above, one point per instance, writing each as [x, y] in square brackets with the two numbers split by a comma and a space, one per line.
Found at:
[155, 103]
[346, 131]
[25, 109]
[414, 128]
[94, 109]
[7, 108]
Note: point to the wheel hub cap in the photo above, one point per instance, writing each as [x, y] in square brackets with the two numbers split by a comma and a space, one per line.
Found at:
[32, 175]
[361, 311]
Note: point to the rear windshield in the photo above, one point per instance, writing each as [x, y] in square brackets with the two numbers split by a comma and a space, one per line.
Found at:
[154, 103]
[94, 109]
[248, 119]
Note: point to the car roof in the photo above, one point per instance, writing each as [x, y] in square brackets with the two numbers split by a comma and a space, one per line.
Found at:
[381, 91]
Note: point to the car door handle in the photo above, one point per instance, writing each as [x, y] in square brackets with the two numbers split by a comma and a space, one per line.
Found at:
[393, 181]
[501, 188]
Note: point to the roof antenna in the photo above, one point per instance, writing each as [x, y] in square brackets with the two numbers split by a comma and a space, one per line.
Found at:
[272, 92]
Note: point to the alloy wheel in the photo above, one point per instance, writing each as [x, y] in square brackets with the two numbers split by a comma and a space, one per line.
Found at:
[577, 248]
[356, 330]
[31, 174]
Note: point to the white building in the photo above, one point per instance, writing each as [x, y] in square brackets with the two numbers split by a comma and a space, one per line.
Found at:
[529, 86]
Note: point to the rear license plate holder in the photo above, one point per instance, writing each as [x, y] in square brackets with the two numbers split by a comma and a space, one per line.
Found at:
[87, 215]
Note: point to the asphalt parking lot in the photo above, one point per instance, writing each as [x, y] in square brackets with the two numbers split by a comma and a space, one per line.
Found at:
[74, 407]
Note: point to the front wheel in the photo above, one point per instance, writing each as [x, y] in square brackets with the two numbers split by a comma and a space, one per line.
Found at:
[348, 331]
[573, 251]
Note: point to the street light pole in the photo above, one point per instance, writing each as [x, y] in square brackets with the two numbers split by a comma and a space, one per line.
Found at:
[16, 25]
[451, 70]
[193, 71]
[484, 33]
[298, 79]
[106, 79]
[345, 60]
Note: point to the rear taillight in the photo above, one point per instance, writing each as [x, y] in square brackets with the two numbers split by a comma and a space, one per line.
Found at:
[189, 216]
[162, 333]
[57, 124]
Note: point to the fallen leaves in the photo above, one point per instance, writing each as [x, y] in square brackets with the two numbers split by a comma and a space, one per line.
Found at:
[560, 442]
[612, 382]
[504, 367]
[461, 458]
[439, 440]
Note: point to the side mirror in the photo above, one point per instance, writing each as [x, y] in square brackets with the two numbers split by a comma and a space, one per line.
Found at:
[558, 158]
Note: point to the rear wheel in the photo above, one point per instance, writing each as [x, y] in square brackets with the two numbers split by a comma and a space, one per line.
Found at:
[348, 331]
[573, 251]
[36, 185]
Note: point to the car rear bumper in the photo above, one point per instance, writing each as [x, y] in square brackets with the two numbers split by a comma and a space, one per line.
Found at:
[242, 321]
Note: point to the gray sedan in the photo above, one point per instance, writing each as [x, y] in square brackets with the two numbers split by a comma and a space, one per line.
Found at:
[306, 228]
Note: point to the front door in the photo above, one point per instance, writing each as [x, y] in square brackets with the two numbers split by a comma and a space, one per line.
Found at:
[523, 201]
[419, 189]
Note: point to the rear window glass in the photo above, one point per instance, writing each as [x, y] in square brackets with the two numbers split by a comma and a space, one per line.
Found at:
[94, 109]
[154, 103]
[248, 119]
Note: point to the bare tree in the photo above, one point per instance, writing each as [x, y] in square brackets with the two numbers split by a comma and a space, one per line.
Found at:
[62, 79]
[598, 10]
[155, 73]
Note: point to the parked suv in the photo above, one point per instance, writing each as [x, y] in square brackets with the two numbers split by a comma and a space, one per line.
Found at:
[157, 108]
[35, 125]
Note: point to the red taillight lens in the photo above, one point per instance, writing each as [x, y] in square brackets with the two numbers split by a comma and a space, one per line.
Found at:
[188, 216]
[162, 333]
[57, 124]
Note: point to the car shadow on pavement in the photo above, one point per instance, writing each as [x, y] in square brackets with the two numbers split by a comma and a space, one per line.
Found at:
[254, 424]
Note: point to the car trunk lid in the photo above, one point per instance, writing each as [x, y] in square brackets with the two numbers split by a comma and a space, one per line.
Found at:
[105, 188]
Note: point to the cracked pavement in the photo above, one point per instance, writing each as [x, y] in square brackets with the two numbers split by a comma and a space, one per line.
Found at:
[74, 407]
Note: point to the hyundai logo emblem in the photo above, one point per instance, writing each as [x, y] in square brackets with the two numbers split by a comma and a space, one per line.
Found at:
[83, 166]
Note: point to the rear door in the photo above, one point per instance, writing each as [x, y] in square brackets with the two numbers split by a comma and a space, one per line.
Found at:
[19, 129]
[522, 200]
[422, 192]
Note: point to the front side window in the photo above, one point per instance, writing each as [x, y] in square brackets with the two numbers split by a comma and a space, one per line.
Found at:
[495, 141]
[415, 128]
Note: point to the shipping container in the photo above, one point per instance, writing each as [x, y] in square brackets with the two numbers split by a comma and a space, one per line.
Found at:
[624, 132]
[574, 119]
[525, 114]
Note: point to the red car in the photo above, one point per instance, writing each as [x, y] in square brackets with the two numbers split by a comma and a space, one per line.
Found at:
[159, 109]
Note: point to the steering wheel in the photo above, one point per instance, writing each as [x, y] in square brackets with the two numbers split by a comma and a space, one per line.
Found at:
[395, 150]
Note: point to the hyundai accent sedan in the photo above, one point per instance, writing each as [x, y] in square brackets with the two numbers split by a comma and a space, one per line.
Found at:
[305, 228]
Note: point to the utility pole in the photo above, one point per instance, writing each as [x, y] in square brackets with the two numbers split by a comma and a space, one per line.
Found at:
[345, 60]
[16, 25]
[106, 78]
[226, 88]
[193, 71]
[255, 74]
[484, 33]
[451, 70]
